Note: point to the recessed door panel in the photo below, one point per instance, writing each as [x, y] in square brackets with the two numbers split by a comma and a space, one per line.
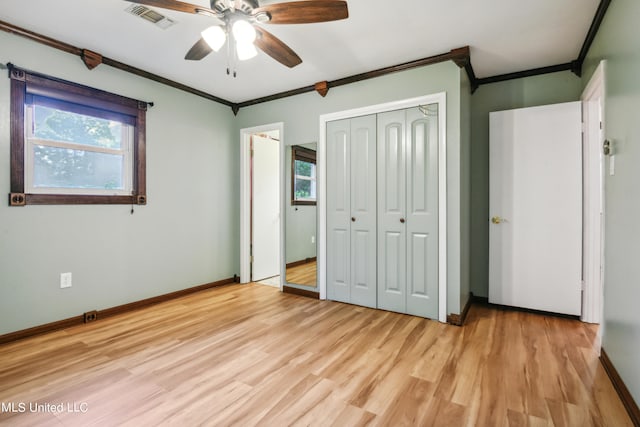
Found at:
[393, 244]
[419, 164]
[360, 263]
[341, 169]
[340, 263]
[419, 274]
[361, 170]
[393, 163]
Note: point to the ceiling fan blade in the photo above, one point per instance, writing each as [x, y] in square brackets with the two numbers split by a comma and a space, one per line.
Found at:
[176, 5]
[275, 48]
[305, 12]
[198, 50]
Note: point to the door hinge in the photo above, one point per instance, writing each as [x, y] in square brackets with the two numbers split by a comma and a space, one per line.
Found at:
[583, 286]
[251, 259]
[600, 125]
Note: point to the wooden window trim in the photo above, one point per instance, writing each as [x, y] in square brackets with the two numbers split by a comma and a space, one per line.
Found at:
[26, 85]
[306, 155]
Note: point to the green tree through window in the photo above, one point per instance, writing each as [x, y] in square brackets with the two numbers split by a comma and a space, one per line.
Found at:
[303, 177]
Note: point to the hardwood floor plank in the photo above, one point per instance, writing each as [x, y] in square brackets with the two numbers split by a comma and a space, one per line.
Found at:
[518, 419]
[353, 416]
[410, 406]
[248, 355]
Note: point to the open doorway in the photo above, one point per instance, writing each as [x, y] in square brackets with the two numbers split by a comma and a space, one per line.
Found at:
[260, 204]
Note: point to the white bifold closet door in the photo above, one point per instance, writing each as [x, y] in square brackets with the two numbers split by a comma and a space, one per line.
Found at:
[351, 210]
[408, 212]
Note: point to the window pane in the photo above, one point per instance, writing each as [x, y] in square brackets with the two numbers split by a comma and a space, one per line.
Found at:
[304, 168]
[65, 168]
[305, 189]
[59, 125]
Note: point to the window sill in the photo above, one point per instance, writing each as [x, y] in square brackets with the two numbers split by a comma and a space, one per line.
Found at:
[19, 199]
[302, 203]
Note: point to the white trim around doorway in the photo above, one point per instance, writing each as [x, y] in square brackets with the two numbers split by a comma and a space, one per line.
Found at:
[593, 99]
[245, 196]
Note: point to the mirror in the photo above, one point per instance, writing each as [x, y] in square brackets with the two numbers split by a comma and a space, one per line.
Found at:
[300, 214]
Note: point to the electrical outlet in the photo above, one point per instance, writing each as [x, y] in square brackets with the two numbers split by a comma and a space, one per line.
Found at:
[313, 239]
[65, 280]
[90, 316]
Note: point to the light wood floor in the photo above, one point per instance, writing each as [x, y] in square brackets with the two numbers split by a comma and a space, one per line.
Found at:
[304, 274]
[249, 355]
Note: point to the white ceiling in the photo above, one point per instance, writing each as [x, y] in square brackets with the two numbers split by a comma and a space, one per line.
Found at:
[504, 35]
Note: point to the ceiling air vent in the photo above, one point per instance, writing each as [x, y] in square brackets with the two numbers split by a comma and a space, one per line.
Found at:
[151, 16]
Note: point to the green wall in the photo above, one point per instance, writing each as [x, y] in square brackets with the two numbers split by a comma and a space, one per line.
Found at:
[187, 235]
[301, 113]
[618, 41]
[528, 92]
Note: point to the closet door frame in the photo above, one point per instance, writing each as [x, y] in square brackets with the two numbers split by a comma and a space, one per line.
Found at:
[441, 100]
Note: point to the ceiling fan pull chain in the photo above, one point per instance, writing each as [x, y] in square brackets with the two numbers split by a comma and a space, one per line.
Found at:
[234, 56]
[228, 59]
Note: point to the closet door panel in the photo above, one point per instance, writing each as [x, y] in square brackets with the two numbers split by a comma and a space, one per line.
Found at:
[392, 270]
[422, 212]
[339, 211]
[363, 211]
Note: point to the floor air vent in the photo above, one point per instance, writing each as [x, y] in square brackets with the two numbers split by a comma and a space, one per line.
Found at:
[151, 16]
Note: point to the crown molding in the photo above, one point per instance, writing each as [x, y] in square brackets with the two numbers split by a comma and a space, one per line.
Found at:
[461, 56]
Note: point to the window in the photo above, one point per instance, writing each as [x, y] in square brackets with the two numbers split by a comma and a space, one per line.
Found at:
[303, 176]
[71, 144]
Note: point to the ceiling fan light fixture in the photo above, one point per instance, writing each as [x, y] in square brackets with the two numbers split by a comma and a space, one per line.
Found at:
[215, 37]
[243, 31]
[245, 50]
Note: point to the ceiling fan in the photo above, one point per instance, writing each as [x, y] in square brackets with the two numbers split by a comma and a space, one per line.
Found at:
[238, 25]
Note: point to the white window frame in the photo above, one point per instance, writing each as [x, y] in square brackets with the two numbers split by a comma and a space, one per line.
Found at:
[31, 141]
[314, 182]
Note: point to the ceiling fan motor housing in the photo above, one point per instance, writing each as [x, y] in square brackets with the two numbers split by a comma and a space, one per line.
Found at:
[245, 6]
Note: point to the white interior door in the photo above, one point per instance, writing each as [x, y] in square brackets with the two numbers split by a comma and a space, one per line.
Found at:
[265, 208]
[422, 212]
[535, 202]
[363, 211]
[392, 201]
[338, 210]
[351, 210]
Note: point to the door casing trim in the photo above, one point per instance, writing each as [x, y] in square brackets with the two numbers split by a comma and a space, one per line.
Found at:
[245, 196]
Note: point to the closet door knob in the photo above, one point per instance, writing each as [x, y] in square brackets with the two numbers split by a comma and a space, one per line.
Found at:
[402, 220]
[353, 219]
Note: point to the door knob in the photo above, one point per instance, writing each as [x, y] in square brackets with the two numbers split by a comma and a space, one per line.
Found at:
[353, 219]
[497, 220]
[402, 220]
